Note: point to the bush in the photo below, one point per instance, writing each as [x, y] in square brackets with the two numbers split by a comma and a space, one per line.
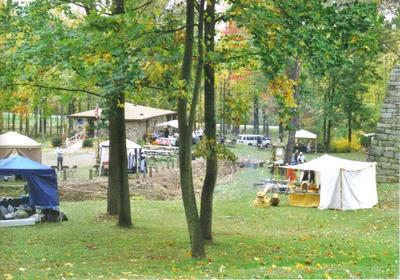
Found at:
[87, 143]
[341, 145]
[365, 141]
[56, 141]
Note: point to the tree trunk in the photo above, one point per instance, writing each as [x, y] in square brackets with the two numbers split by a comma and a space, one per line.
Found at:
[185, 149]
[71, 110]
[281, 129]
[328, 136]
[51, 125]
[1, 121]
[13, 122]
[210, 127]
[27, 124]
[44, 124]
[58, 125]
[221, 123]
[8, 121]
[349, 130]
[21, 123]
[325, 133]
[118, 198]
[256, 121]
[62, 121]
[120, 161]
[294, 74]
[265, 123]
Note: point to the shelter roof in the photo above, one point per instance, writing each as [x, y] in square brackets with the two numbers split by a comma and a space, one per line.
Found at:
[15, 140]
[129, 144]
[305, 134]
[132, 113]
[327, 162]
[172, 123]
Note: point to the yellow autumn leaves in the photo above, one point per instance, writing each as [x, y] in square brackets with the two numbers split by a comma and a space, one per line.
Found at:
[154, 70]
[283, 87]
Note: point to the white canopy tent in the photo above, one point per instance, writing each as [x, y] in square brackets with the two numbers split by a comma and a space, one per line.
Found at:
[302, 133]
[345, 184]
[171, 123]
[104, 151]
[24, 146]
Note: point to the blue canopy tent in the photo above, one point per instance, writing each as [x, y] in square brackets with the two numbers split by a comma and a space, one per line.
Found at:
[42, 180]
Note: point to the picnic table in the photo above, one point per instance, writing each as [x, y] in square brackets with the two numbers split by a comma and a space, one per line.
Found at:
[161, 148]
[158, 152]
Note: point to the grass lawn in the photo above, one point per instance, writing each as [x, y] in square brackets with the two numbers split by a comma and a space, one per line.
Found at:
[276, 242]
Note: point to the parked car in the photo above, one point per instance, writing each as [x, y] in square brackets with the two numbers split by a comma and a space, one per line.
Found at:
[253, 140]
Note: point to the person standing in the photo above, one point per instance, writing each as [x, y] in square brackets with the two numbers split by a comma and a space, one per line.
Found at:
[301, 158]
[60, 154]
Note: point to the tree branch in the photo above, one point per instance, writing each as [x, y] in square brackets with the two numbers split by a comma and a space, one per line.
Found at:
[142, 6]
[57, 88]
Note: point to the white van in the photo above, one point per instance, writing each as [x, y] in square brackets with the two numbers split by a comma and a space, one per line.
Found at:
[251, 139]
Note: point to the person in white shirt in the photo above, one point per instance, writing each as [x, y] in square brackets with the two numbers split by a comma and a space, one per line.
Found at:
[301, 158]
[60, 154]
[200, 133]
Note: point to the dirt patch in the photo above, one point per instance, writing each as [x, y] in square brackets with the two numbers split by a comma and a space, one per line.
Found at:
[163, 185]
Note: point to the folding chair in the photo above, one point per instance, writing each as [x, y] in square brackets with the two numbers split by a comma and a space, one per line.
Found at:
[72, 171]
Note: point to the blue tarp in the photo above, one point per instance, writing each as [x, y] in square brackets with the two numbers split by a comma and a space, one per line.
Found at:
[42, 180]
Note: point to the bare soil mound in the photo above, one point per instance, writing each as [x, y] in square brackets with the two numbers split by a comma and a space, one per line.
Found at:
[163, 185]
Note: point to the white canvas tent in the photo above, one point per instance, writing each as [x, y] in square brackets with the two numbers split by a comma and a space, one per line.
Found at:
[171, 123]
[345, 184]
[302, 133]
[24, 146]
[104, 150]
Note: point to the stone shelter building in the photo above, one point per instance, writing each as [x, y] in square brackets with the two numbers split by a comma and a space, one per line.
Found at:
[139, 119]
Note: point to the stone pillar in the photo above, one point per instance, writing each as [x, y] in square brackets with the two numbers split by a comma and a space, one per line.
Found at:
[385, 146]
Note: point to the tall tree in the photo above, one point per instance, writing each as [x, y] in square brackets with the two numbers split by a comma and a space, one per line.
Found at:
[210, 124]
[185, 150]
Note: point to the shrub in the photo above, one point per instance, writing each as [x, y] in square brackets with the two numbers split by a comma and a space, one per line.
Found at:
[56, 141]
[365, 141]
[342, 145]
[87, 143]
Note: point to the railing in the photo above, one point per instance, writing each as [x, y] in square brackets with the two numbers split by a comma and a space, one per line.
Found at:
[72, 140]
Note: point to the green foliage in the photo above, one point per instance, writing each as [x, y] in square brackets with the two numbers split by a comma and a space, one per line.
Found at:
[203, 149]
[87, 143]
[56, 141]
[365, 141]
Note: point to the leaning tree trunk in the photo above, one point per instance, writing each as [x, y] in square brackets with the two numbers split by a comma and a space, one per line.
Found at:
[185, 149]
[210, 127]
[294, 74]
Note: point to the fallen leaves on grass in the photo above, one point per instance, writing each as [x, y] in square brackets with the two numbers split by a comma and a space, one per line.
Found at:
[8, 276]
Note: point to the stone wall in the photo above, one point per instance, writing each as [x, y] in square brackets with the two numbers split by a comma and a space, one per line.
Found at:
[385, 145]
